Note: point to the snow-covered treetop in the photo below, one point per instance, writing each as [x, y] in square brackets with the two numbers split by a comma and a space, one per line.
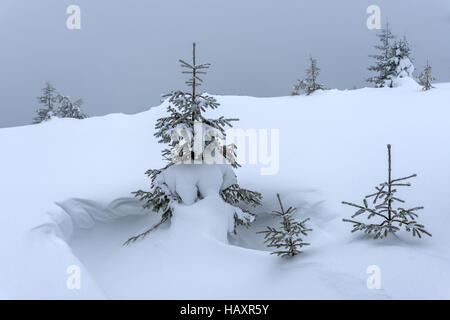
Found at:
[400, 60]
[187, 108]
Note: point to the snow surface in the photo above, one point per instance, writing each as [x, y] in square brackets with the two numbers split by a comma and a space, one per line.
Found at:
[66, 186]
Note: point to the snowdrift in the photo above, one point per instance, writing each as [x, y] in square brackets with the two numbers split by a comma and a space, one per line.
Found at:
[65, 201]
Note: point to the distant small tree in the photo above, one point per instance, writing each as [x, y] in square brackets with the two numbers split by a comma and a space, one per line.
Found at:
[425, 78]
[309, 84]
[48, 100]
[287, 237]
[57, 105]
[392, 219]
[69, 109]
[383, 64]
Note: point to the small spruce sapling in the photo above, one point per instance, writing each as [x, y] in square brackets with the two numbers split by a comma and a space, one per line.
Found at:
[309, 84]
[391, 218]
[288, 237]
[425, 78]
[185, 109]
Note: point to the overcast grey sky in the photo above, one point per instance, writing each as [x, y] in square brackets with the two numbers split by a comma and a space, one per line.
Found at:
[126, 53]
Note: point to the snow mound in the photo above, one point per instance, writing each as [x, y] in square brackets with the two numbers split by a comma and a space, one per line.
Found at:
[406, 83]
[189, 181]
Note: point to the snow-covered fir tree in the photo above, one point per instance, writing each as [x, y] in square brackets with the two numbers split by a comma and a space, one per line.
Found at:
[425, 78]
[69, 109]
[48, 100]
[194, 139]
[383, 64]
[400, 61]
[310, 83]
[286, 239]
[390, 218]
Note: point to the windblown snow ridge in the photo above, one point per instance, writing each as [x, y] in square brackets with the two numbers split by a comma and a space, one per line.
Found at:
[74, 213]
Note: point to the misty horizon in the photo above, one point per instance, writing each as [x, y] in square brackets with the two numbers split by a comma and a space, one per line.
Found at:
[126, 54]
